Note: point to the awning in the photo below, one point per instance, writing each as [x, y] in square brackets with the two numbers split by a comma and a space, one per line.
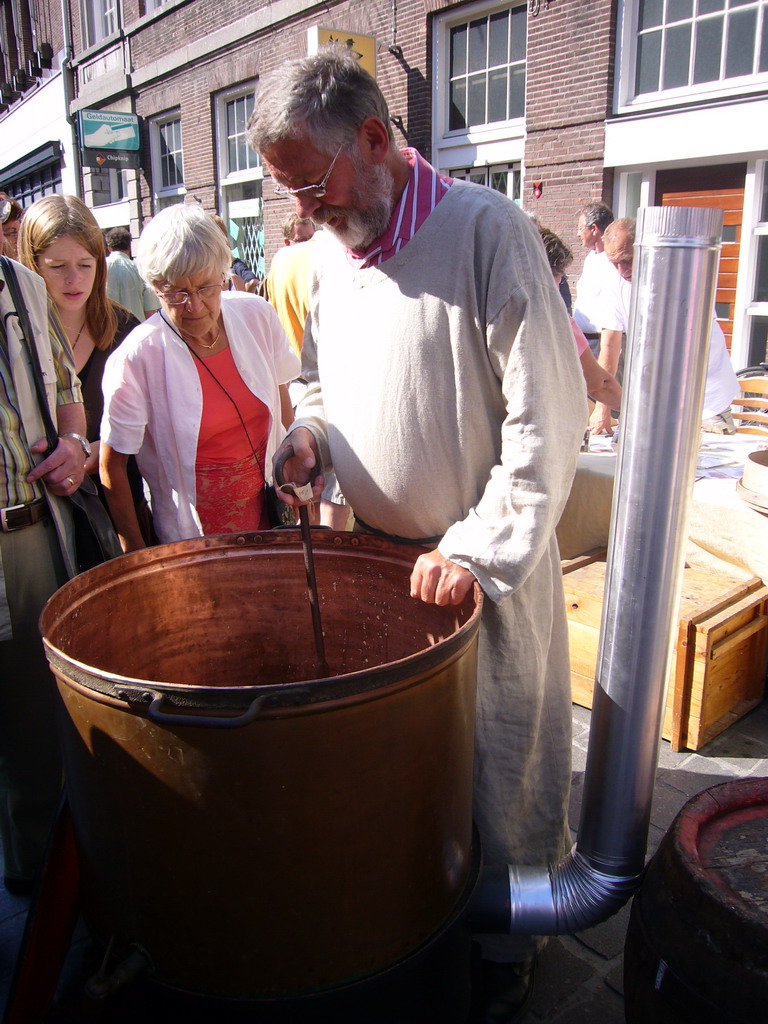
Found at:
[41, 157]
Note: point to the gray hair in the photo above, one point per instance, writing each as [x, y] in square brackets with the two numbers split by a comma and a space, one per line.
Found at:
[181, 241]
[598, 214]
[324, 98]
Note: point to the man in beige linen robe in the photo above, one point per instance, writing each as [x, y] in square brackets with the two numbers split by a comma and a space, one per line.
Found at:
[445, 391]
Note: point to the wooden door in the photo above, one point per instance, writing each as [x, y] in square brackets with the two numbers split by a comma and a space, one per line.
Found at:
[719, 188]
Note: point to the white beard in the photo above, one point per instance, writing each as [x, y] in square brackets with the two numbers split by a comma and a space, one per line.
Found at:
[374, 192]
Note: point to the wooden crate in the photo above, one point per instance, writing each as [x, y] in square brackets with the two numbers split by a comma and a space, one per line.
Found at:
[719, 663]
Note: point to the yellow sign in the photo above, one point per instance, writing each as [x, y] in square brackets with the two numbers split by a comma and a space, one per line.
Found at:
[363, 47]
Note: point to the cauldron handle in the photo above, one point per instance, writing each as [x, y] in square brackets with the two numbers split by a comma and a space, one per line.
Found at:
[201, 721]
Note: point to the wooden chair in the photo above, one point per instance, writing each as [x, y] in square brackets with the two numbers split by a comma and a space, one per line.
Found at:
[750, 410]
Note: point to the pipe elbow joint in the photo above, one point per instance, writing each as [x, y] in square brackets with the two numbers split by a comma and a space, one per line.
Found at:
[566, 898]
[583, 896]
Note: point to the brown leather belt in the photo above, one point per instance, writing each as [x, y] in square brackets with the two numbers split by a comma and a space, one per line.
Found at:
[16, 517]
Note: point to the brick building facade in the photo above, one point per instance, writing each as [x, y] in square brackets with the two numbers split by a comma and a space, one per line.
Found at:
[627, 101]
[569, 96]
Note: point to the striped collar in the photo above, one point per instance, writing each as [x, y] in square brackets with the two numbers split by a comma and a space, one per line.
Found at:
[423, 191]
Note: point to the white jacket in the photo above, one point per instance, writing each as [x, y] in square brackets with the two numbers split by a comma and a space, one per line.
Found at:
[153, 402]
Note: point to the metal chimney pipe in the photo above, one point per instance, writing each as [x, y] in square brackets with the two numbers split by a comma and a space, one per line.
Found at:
[673, 288]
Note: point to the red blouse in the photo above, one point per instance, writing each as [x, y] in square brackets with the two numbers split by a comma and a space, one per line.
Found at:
[229, 479]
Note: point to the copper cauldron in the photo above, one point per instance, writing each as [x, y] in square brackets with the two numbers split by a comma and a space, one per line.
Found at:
[259, 832]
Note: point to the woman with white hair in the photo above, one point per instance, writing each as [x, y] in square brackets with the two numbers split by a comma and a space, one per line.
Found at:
[196, 391]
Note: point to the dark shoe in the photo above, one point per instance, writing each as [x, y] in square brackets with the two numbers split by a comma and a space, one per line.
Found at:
[506, 990]
[19, 886]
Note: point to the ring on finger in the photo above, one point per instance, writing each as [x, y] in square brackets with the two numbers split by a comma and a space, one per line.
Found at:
[72, 482]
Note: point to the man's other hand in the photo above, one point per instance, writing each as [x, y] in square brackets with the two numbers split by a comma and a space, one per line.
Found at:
[437, 580]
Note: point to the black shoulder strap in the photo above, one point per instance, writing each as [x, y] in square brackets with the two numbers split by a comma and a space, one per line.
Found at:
[29, 338]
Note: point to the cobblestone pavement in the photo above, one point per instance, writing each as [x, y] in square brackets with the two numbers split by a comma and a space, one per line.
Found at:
[580, 976]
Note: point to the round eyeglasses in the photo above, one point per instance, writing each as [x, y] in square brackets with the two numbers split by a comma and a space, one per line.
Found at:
[179, 298]
[5, 210]
[310, 191]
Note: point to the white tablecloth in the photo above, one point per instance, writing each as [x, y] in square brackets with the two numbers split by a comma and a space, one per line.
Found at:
[722, 527]
[586, 519]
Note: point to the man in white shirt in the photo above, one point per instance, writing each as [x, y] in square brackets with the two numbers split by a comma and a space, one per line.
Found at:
[597, 272]
[721, 384]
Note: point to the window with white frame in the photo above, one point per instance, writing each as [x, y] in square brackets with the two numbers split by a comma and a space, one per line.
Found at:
[698, 46]
[100, 20]
[167, 161]
[240, 178]
[487, 69]
[758, 308]
[479, 92]
[504, 178]
[240, 156]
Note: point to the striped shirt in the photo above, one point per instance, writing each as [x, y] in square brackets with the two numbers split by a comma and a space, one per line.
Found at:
[424, 190]
[15, 459]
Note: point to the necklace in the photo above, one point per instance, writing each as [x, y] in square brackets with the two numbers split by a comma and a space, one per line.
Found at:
[213, 344]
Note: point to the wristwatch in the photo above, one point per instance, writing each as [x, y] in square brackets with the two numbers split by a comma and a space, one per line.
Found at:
[82, 441]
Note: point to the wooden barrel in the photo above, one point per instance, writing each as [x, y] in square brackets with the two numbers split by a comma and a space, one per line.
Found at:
[697, 942]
